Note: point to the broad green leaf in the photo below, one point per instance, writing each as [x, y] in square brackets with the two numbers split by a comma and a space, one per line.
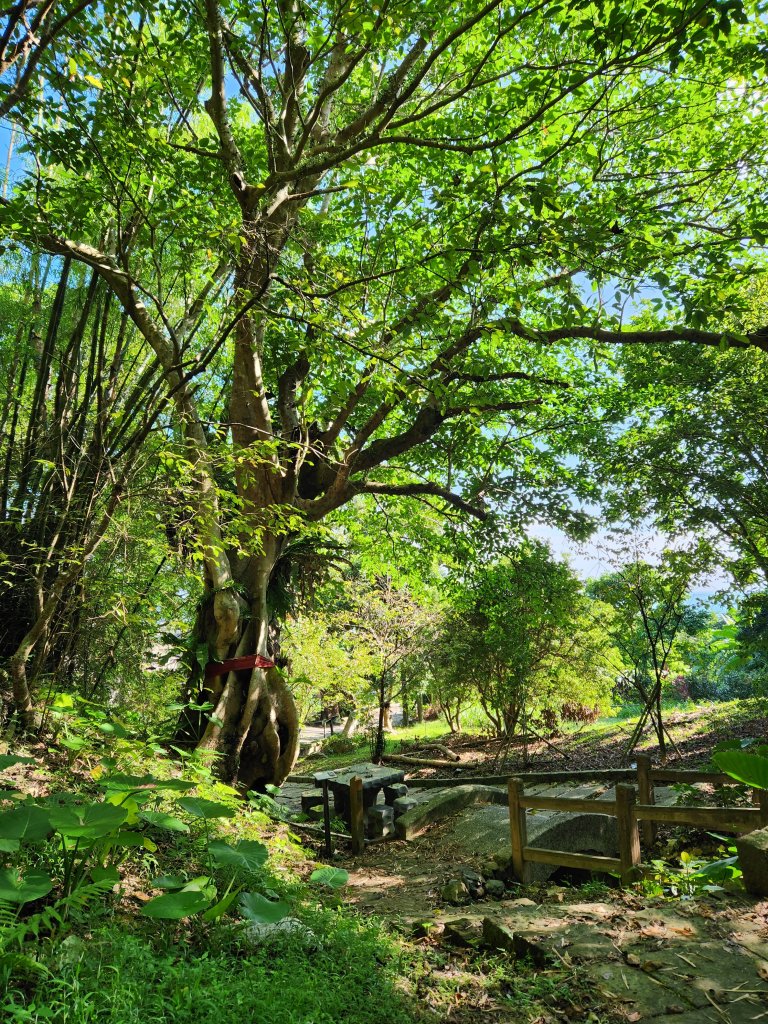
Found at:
[17, 889]
[255, 907]
[92, 821]
[28, 823]
[168, 882]
[248, 854]
[159, 819]
[220, 908]
[110, 874]
[751, 769]
[335, 878]
[205, 809]
[174, 906]
[9, 760]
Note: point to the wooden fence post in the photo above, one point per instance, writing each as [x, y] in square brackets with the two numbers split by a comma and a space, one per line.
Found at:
[761, 799]
[647, 796]
[629, 833]
[327, 820]
[356, 821]
[518, 829]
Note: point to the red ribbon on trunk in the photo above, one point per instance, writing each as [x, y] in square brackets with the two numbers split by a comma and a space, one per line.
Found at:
[222, 668]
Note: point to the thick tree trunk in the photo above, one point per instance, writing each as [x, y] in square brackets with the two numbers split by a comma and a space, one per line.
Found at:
[254, 725]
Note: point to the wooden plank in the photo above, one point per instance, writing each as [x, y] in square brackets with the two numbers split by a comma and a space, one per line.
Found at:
[646, 796]
[356, 821]
[574, 805]
[761, 798]
[710, 817]
[529, 778]
[327, 821]
[683, 775]
[518, 829]
[586, 861]
[629, 833]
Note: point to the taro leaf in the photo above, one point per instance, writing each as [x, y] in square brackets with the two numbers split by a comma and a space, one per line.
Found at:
[173, 906]
[25, 822]
[201, 884]
[74, 743]
[133, 783]
[14, 889]
[110, 874]
[91, 821]
[248, 854]
[220, 908]
[8, 760]
[159, 819]
[9, 845]
[255, 907]
[334, 878]
[748, 768]
[134, 840]
[206, 809]
[169, 882]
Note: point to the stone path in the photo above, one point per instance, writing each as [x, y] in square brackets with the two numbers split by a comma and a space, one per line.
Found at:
[669, 966]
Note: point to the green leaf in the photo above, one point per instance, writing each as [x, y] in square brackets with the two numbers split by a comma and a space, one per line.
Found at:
[220, 908]
[26, 823]
[8, 760]
[173, 906]
[92, 821]
[748, 768]
[334, 878]
[168, 882]
[255, 907]
[161, 820]
[248, 854]
[110, 874]
[205, 809]
[15, 889]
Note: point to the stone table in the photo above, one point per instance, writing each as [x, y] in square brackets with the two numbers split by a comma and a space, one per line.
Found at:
[375, 777]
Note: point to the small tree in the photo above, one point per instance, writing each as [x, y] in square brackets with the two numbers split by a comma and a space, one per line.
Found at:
[529, 640]
[650, 604]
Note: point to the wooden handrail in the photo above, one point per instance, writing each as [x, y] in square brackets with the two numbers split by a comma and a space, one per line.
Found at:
[586, 861]
[710, 817]
[572, 805]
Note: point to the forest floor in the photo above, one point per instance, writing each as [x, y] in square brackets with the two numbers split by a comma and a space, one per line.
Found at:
[574, 948]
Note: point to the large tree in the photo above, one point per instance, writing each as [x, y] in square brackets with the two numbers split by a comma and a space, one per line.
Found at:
[388, 221]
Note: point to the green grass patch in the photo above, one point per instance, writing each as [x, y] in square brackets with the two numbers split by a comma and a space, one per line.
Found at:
[343, 969]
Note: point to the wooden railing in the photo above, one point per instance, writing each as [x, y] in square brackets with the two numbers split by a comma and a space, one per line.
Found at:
[631, 816]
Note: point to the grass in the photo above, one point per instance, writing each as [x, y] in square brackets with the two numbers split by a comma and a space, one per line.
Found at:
[341, 970]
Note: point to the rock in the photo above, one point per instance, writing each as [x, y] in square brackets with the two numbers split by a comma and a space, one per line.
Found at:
[474, 882]
[309, 748]
[380, 821]
[498, 935]
[315, 812]
[428, 929]
[495, 889]
[489, 869]
[520, 903]
[462, 932]
[257, 934]
[454, 891]
[444, 804]
[310, 798]
[753, 860]
[395, 792]
[402, 805]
